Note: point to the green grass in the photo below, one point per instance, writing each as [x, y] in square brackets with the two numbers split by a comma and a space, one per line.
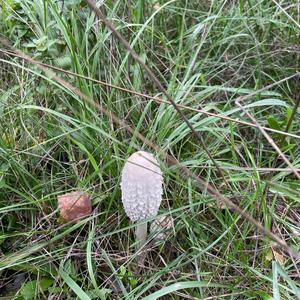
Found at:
[206, 54]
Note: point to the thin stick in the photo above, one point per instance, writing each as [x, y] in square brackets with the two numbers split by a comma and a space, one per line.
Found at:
[268, 138]
[288, 125]
[181, 170]
[158, 100]
[153, 78]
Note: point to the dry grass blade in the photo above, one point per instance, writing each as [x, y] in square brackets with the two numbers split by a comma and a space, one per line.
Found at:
[261, 170]
[285, 12]
[158, 100]
[156, 81]
[183, 171]
[273, 169]
[267, 136]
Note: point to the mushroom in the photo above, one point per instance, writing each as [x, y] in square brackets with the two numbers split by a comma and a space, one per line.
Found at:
[74, 206]
[141, 186]
[161, 228]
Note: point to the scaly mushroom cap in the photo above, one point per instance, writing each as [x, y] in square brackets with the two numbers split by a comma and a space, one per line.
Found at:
[141, 186]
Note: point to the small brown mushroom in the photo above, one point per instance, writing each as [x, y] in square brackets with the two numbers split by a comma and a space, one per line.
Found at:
[74, 206]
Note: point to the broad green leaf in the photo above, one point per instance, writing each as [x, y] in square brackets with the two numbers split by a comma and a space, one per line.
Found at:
[32, 288]
[273, 123]
[180, 286]
[73, 285]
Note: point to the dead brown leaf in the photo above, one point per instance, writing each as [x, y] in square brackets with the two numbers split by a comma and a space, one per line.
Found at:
[74, 206]
[279, 257]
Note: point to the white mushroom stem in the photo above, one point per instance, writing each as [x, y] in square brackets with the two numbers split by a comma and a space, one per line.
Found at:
[141, 234]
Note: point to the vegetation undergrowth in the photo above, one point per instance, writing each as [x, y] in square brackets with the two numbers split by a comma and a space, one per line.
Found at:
[206, 54]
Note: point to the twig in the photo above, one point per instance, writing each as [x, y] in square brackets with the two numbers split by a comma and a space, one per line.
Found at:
[265, 134]
[296, 105]
[156, 99]
[153, 78]
[183, 171]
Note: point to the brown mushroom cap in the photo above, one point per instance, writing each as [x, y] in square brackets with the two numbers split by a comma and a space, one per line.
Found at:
[74, 206]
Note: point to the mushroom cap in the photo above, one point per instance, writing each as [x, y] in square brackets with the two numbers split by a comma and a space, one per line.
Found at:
[74, 206]
[141, 186]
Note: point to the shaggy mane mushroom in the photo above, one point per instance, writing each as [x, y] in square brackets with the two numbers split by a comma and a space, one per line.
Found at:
[141, 186]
